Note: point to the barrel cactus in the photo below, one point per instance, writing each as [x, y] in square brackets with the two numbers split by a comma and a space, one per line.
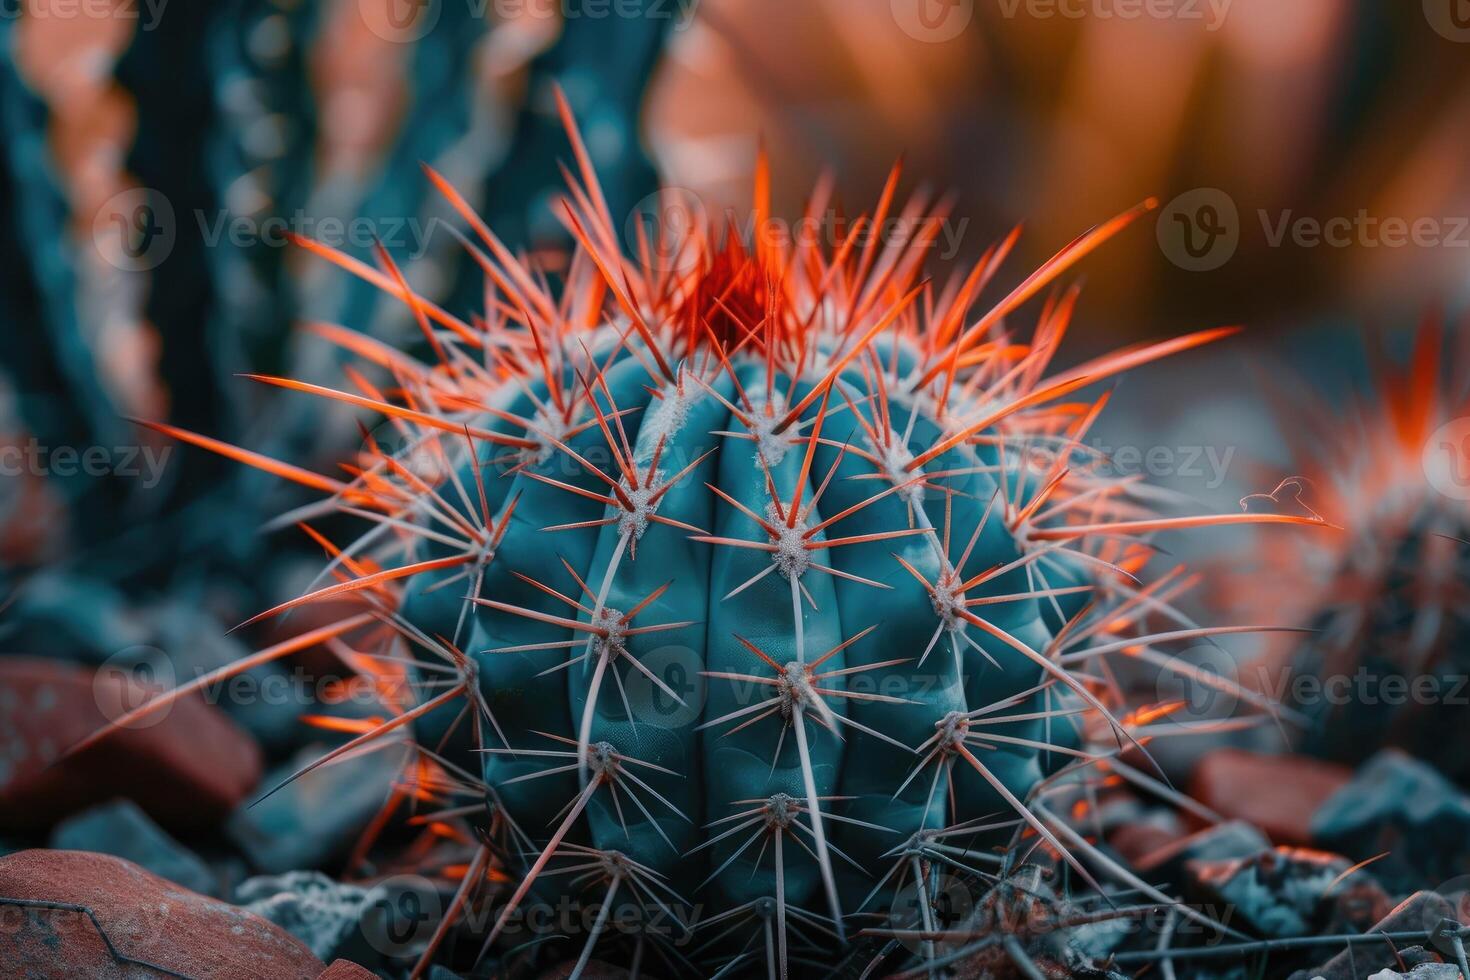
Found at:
[1388, 654]
[732, 573]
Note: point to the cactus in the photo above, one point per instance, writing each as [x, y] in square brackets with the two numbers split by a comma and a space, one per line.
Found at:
[1385, 599]
[45, 358]
[752, 579]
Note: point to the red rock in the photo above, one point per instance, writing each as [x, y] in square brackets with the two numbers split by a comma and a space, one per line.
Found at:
[188, 769]
[346, 970]
[1277, 793]
[1135, 841]
[153, 925]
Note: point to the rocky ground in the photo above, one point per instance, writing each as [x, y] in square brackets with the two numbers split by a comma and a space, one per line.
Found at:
[157, 852]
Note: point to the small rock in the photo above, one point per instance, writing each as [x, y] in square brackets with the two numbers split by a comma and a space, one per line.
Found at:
[73, 616]
[1277, 793]
[1356, 904]
[1234, 839]
[146, 919]
[1134, 842]
[316, 817]
[1401, 805]
[1275, 893]
[123, 830]
[1419, 911]
[186, 768]
[322, 913]
[1424, 971]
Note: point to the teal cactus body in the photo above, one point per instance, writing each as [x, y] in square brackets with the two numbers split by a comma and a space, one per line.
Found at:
[873, 668]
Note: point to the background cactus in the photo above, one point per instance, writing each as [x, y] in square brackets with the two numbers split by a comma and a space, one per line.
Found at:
[1385, 661]
[735, 565]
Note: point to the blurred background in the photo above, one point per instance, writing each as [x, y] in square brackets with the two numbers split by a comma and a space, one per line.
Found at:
[1312, 160]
